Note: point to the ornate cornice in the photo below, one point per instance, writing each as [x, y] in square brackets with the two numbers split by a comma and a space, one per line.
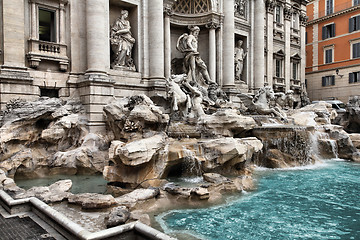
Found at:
[303, 19]
[287, 13]
[168, 11]
[270, 6]
[212, 25]
[348, 10]
[211, 19]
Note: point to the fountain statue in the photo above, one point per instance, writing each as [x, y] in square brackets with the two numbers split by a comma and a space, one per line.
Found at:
[122, 42]
[260, 103]
[239, 57]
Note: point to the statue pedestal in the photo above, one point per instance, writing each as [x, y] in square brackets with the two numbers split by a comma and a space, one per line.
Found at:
[123, 68]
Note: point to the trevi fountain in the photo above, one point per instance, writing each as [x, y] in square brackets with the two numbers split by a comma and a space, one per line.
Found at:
[192, 164]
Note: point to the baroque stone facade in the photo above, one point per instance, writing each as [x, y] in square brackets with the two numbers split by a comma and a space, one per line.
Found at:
[98, 50]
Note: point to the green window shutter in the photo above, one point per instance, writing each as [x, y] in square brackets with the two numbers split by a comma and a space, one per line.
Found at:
[351, 25]
[351, 77]
[333, 80]
[323, 81]
[323, 32]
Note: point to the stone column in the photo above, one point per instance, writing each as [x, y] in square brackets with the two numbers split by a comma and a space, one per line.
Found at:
[34, 34]
[270, 42]
[212, 50]
[287, 63]
[156, 41]
[228, 44]
[97, 89]
[62, 36]
[303, 20]
[259, 58]
[97, 26]
[167, 39]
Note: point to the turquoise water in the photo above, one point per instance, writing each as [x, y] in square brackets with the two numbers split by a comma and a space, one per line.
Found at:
[317, 202]
[81, 183]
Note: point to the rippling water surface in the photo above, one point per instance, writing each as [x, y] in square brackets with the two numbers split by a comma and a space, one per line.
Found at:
[321, 202]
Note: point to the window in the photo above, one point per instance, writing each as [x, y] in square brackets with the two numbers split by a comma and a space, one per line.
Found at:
[356, 2]
[278, 68]
[329, 7]
[354, 77]
[306, 38]
[295, 21]
[356, 50]
[47, 29]
[354, 23]
[328, 81]
[295, 70]
[328, 52]
[328, 31]
[47, 92]
[278, 14]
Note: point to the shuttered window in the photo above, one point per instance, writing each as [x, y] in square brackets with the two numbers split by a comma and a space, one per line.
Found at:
[329, 7]
[329, 55]
[354, 77]
[354, 23]
[356, 50]
[328, 81]
[328, 31]
[356, 2]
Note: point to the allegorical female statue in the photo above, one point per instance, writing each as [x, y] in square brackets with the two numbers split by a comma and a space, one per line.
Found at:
[122, 42]
[239, 57]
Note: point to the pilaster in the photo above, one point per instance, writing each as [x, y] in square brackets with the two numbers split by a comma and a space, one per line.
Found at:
[97, 26]
[212, 50]
[228, 44]
[259, 59]
[287, 63]
[156, 43]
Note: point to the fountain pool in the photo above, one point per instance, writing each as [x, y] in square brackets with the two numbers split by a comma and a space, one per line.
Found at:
[81, 183]
[314, 202]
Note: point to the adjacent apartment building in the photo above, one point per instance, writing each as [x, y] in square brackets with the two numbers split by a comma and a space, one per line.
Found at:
[333, 49]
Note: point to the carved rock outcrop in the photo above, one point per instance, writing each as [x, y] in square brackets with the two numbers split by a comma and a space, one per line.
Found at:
[47, 135]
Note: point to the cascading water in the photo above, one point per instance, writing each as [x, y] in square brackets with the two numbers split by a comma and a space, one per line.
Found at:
[322, 145]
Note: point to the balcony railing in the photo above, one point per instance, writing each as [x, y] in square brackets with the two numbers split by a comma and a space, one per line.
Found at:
[295, 84]
[42, 50]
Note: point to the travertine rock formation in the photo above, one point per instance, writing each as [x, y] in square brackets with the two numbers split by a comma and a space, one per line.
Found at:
[48, 136]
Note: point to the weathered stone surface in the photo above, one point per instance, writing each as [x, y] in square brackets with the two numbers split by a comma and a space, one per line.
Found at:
[201, 193]
[92, 200]
[133, 115]
[305, 116]
[56, 192]
[137, 195]
[355, 138]
[140, 151]
[226, 123]
[138, 215]
[215, 178]
[50, 137]
[117, 216]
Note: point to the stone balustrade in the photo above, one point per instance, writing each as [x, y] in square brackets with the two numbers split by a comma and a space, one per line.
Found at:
[51, 51]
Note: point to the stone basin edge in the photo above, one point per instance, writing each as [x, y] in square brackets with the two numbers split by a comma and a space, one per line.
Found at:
[70, 229]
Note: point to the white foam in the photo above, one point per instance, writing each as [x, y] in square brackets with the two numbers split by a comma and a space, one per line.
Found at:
[196, 179]
[317, 165]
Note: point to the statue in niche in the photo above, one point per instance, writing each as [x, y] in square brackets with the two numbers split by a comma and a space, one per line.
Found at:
[239, 57]
[196, 68]
[122, 42]
[193, 92]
